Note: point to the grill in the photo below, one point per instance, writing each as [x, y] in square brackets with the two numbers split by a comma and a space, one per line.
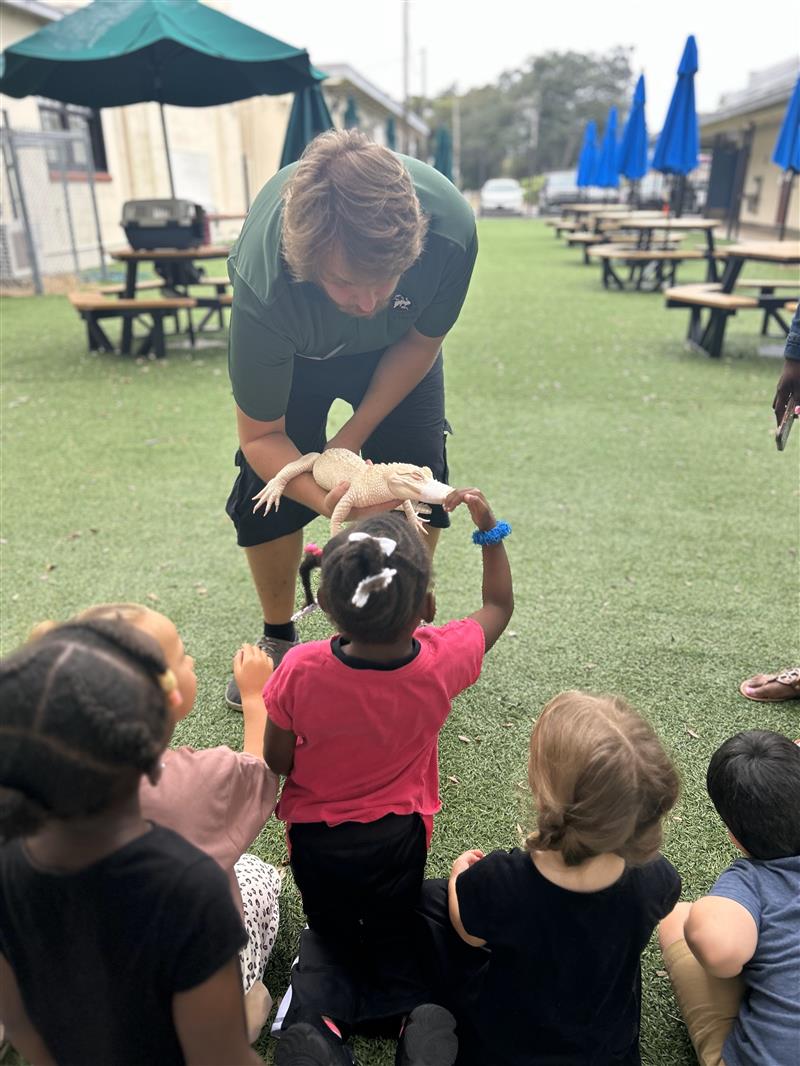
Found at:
[164, 224]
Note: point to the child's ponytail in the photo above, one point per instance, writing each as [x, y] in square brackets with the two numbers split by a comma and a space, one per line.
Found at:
[601, 779]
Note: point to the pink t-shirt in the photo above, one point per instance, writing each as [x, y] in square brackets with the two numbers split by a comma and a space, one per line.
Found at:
[216, 798]
[367, 739]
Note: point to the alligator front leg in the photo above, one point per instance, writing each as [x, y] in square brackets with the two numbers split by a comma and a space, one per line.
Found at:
[418, 523]
[270, 495]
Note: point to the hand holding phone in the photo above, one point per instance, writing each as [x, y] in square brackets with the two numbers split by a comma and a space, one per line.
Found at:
[785, 424]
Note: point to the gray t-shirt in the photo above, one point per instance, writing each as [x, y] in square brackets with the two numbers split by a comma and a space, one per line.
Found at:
[767, 1030]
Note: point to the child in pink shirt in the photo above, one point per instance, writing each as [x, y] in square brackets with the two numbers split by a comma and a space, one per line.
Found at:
[354, 725]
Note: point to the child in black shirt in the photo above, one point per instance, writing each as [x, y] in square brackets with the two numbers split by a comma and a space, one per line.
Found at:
[118, 939]
[567, 918]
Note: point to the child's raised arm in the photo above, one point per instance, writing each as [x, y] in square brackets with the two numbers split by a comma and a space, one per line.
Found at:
[252, 668]
[497, 591]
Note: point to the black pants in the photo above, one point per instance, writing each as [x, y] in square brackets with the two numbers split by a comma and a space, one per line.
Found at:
[414, 432]
[361, 961]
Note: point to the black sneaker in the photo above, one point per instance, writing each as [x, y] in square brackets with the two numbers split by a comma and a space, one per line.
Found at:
[276, 649]
[304, 1045]
[428, 1038]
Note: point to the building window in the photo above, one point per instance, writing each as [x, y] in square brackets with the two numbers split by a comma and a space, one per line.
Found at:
[72, 156]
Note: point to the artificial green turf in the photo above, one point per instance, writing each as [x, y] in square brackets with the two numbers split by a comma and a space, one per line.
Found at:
[654, 547]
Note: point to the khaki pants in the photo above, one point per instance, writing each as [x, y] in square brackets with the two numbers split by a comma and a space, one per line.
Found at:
[709, 1005]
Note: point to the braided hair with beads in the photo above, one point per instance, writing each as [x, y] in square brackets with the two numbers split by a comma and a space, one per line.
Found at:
[83, 714]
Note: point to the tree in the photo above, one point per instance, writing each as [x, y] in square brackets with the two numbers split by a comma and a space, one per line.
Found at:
[533, 119]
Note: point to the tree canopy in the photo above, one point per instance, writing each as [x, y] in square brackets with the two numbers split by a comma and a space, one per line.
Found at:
[533, 119]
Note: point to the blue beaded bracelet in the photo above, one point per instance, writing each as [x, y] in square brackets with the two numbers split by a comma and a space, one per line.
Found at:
[491, 536]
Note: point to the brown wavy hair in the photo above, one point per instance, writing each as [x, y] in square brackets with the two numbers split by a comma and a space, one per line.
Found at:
[353, 196]
[601, 780]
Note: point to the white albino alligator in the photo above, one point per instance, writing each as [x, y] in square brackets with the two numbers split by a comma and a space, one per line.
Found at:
[370, 484]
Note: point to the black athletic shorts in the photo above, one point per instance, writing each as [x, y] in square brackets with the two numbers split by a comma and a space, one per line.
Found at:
[414, 432]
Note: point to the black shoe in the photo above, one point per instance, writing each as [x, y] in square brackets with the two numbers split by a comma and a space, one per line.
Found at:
[276, 649]
[305, 1045]
[428, 1038]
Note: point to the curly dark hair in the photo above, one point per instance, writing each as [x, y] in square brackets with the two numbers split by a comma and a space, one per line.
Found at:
[83, 716]
[345, 563]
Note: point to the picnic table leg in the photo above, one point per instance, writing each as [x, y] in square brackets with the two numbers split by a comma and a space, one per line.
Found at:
[714, 333]
[96, 335]
[711, 261]
[221, 292]
[158, 335]
[730, 274]
[767, 290]
[695, 325]
[128, 294]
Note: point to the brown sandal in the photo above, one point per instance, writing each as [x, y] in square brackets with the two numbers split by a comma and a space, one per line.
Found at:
[788, 679]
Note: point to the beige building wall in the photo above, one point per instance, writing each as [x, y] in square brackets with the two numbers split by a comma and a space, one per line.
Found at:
[207, 149]
[764, 179]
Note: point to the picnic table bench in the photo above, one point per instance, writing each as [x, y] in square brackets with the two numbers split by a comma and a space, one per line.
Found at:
[663, 261]
[94, 306]
[723, 300]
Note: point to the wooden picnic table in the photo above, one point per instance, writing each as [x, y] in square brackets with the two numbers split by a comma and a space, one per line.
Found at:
[648, 228]
[132, 257]
[710, 337]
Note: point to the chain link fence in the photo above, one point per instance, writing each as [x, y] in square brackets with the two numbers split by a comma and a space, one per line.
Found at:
[49, 222]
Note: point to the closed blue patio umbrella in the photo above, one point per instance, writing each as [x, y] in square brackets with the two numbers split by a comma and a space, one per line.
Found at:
[679, 141]
[607, 175]
[308, 118]
[351, 119]
[632, 158]
[787, 154]
[587, 161]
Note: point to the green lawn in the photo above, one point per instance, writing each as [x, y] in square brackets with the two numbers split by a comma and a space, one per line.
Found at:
[654, 546]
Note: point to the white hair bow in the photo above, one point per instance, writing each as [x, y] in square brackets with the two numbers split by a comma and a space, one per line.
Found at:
[387, 544]
[372, 584]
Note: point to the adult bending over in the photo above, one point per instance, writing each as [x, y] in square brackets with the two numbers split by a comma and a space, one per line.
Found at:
[351, 267]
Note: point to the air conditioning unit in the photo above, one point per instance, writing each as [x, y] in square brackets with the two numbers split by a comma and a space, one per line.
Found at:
[15, 260]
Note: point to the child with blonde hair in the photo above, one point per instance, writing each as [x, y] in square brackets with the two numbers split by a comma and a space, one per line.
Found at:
[567, 917]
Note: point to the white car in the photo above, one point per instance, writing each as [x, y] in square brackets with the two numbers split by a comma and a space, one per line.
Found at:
[502, 196]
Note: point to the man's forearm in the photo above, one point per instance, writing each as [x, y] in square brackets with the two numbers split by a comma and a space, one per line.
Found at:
[400, 370]
[267, 455]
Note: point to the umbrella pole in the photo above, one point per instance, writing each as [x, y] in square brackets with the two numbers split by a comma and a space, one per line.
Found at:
[786, 196]
[166, 149]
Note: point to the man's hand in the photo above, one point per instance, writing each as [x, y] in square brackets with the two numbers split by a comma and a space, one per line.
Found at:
[252, 668]
[357, 513]
[789, 383]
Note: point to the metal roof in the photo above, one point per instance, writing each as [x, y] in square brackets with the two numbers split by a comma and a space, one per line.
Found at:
[767, 88]
[344, 72]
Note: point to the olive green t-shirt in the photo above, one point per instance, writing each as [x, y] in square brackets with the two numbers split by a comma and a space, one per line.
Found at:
[274, 319]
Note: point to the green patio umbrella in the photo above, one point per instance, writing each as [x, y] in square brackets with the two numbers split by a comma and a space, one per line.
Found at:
[391, 133]
[351, 119]
[169, 51]
[443, 152]
[309, 117]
